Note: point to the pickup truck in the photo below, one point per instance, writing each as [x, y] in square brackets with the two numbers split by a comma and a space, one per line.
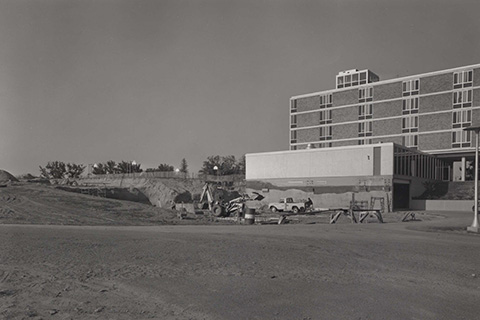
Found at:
[287, 204]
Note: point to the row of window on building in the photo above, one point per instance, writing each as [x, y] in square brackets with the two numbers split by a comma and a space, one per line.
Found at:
[460, 118]
[460, 138]
[355, 78]
[418, 164]
[461, 98]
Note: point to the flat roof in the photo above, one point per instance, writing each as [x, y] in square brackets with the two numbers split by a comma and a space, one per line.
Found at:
[386, 81]
[324, 149]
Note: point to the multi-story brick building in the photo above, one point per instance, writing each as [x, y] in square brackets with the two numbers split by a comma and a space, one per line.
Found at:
[425, 111]
[375, 139]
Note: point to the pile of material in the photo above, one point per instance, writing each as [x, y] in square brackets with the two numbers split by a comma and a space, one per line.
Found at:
[6, 177]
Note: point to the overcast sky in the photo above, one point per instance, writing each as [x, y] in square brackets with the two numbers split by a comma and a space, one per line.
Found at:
[157, 81]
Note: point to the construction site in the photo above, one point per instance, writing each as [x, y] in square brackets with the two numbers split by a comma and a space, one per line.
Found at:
[132, 247]
[225, 160]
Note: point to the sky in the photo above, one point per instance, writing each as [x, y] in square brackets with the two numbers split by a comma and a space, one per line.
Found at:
[87, 81]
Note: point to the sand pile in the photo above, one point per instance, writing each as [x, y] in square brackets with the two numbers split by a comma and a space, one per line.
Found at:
[6, 176]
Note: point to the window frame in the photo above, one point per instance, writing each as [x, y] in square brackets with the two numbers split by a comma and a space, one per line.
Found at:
[410, 124]
[325, 132]
[365, 128]
[365, 94]
[365, 111]
[411, 87]
[461, 118]
[463, 79]
[465, 140]
[325, 116]
[410, 141]
[462, 98]
[411, 105]
[293, 136]
[325, 100]
[293, 121]
[293, 106]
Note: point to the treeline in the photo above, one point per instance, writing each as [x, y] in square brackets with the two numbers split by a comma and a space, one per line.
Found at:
[168, 168]
[60, 170]
[111, 167]
[214, 165]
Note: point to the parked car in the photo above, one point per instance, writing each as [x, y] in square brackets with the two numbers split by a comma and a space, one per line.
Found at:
[287, 204]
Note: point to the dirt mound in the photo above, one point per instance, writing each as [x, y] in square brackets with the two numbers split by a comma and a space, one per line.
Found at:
[160, 192]
[6, 176]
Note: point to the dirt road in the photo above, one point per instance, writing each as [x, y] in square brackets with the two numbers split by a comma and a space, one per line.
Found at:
[415, 270]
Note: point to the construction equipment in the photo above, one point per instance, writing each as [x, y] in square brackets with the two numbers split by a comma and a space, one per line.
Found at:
[218, 203]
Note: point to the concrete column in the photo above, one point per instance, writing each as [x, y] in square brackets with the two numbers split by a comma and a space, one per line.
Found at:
[464, 168]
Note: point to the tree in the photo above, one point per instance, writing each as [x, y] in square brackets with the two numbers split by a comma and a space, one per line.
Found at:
[75, 170]
[110, 167]
[128, 167]
[44, 173]
[226, 165]
[53, 170]
[99, 168]
[209, 164]
[184, 166]
[165, 167]
[241, 165]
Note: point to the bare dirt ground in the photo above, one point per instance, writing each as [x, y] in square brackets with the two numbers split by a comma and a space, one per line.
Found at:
[32, 203]
[427, 269]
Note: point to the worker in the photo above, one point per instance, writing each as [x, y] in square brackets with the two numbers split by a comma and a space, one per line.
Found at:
[308, 204]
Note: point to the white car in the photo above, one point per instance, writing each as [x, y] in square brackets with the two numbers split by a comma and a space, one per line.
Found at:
[287, 204]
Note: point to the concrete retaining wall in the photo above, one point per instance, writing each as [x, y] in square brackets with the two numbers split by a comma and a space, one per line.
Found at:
[442, 205]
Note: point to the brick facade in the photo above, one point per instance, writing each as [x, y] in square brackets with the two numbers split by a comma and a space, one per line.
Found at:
[387, 127]
[432, 122]
[436, 102]
[436, 83]
[476, 77]
[397, 140]
[308, 103]
[345, 131]
[308, 135]
[435, 141]
[390, 106]
[387, 109]
[308, 119]
[345, 97]
[345, 114]
[476, 97]
[387, 91]
[344, 143]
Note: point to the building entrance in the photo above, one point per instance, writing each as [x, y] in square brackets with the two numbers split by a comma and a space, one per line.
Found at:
[401, 196]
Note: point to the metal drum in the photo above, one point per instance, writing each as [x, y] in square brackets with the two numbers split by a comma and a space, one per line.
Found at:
[250, 216]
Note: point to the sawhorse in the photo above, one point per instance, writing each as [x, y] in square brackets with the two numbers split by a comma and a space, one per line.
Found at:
[365, 213]
[409, 216]
[349, 213]
[375, 199]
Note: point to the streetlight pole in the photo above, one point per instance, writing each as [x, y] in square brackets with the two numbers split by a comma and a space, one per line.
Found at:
[475, 226]
[215, 168]
[132, 166]
[95, 166]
